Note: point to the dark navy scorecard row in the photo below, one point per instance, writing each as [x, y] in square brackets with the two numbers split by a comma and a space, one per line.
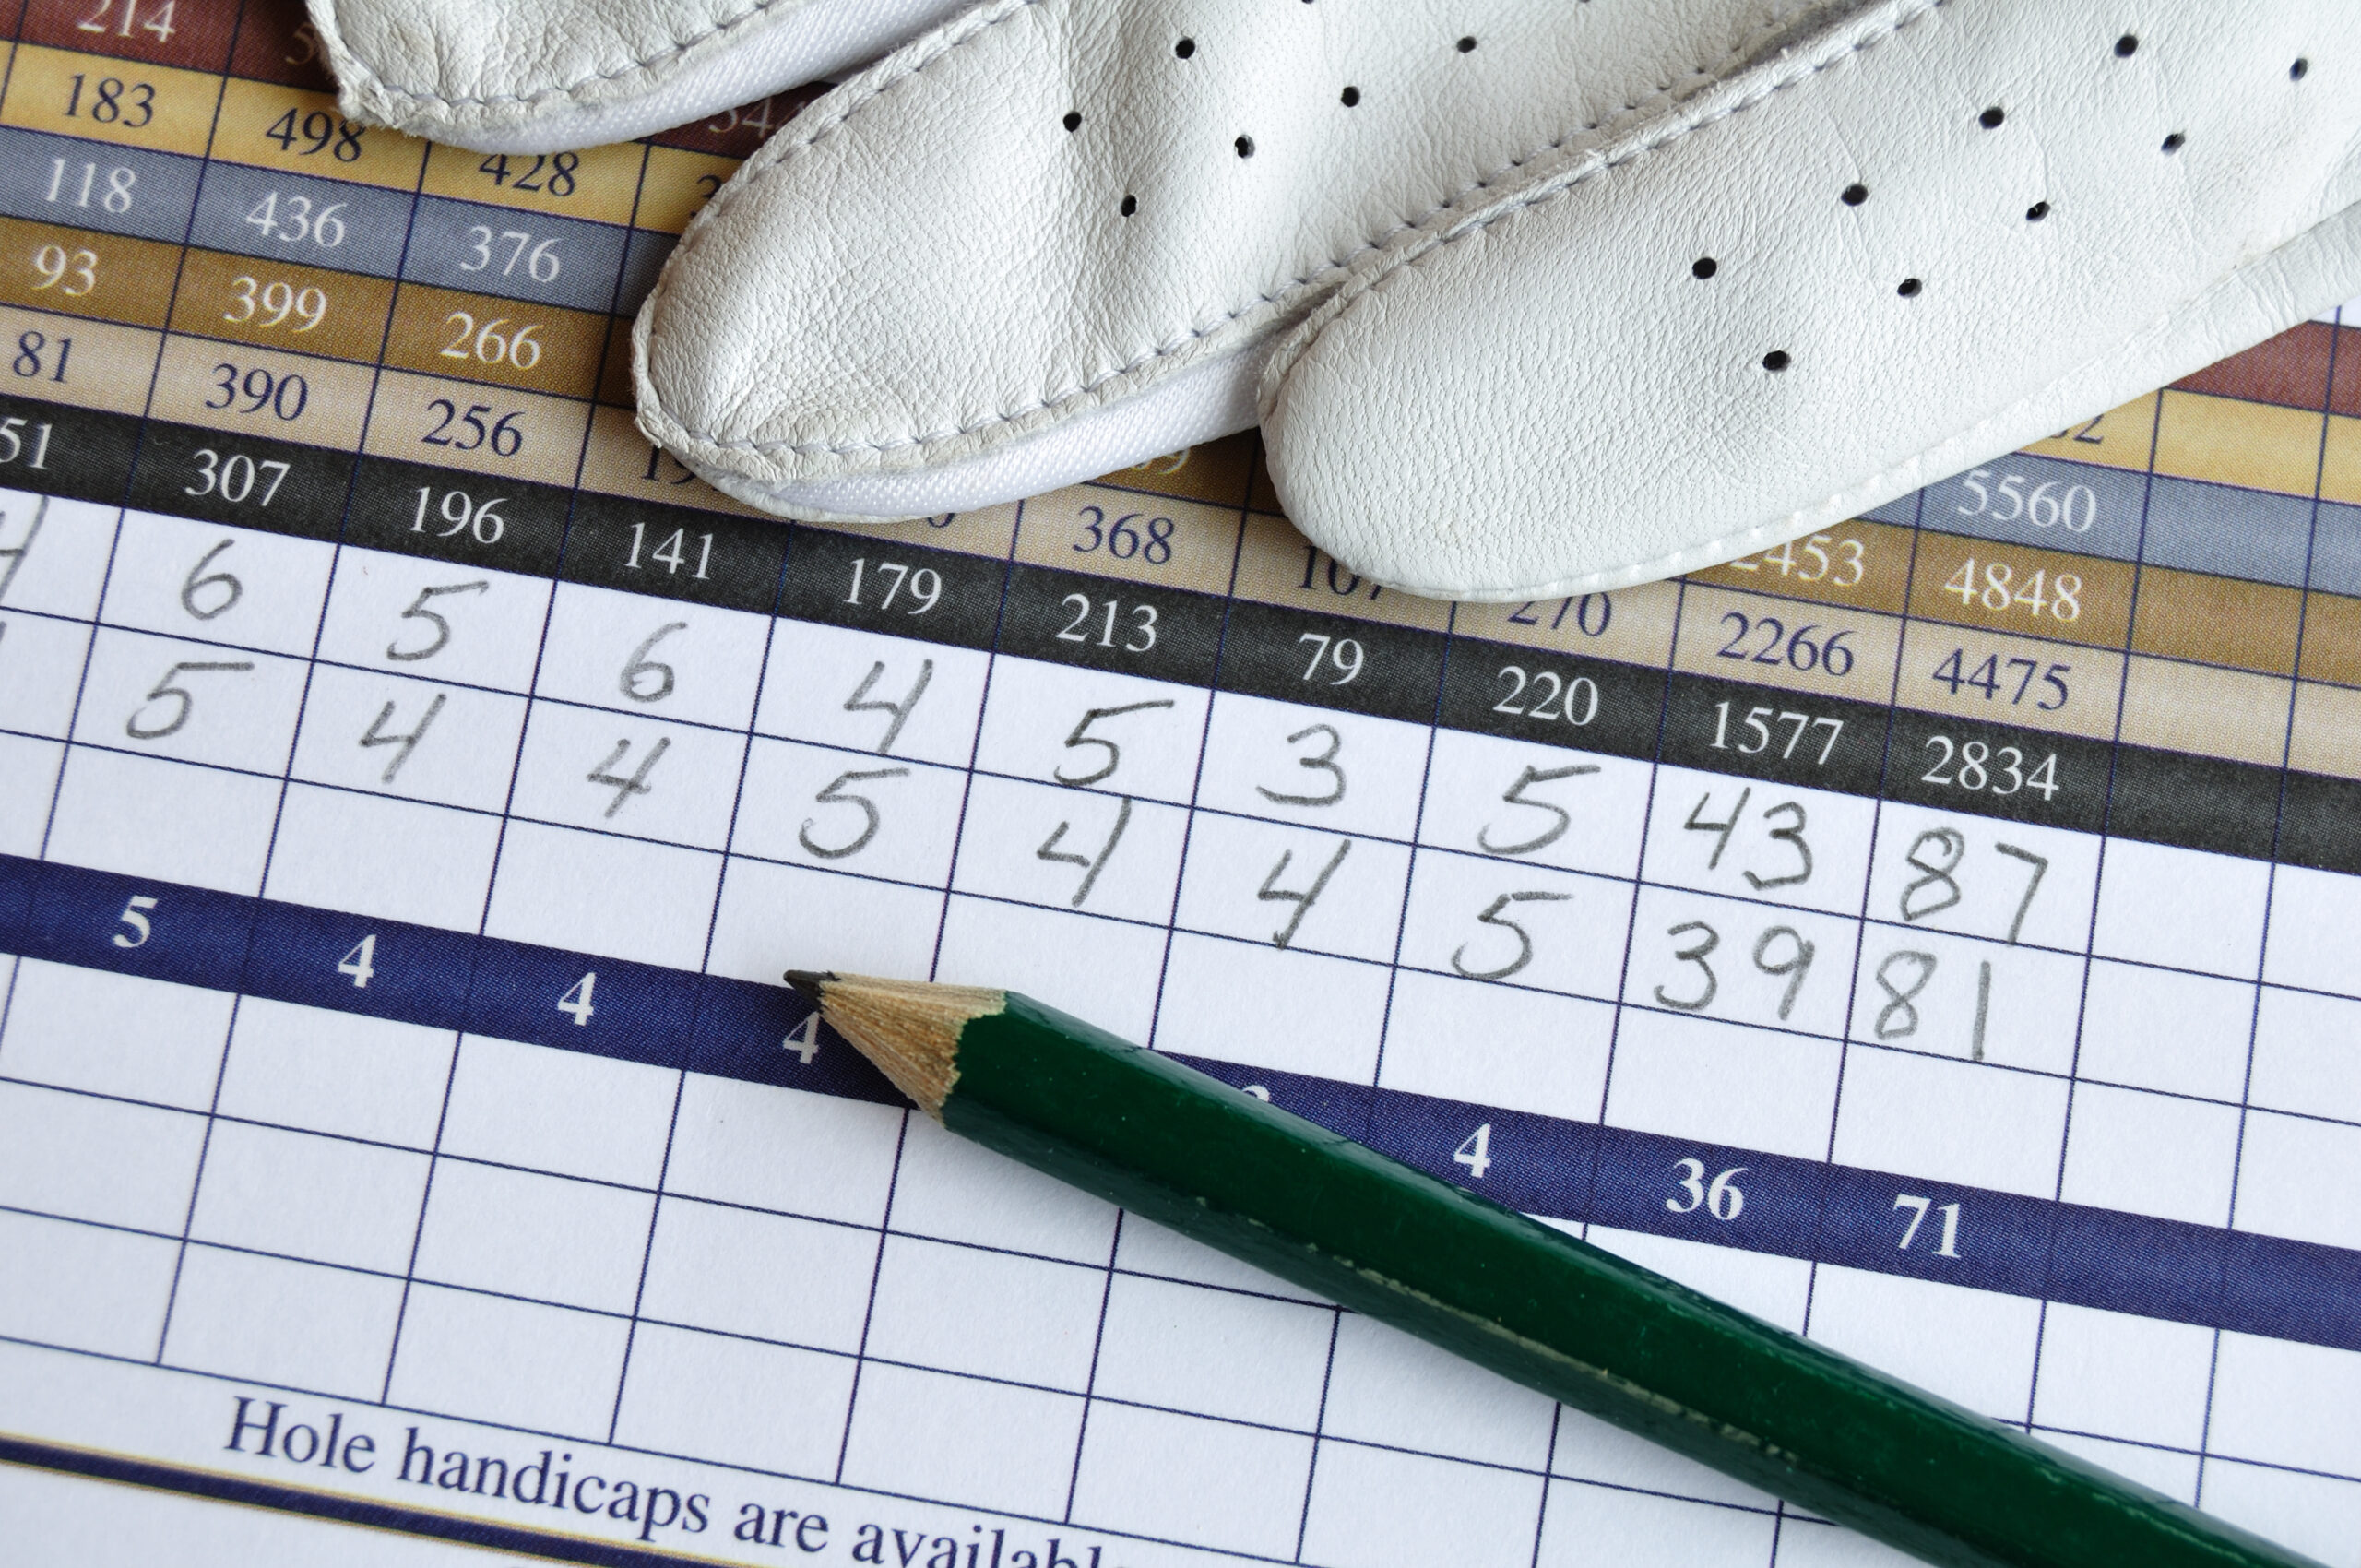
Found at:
[1549, 1166]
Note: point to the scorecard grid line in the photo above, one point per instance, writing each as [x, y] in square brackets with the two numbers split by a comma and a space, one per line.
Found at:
[678, 918]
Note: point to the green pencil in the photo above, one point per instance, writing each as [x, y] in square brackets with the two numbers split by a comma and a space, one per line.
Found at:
[1556, 1314]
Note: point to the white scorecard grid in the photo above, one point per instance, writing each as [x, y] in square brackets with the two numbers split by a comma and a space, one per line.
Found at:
[557, 1272]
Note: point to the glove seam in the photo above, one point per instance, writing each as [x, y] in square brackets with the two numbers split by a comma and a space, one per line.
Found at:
[753, 12]
[770, 160]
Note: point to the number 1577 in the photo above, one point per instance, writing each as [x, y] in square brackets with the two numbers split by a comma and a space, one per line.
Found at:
[1756, 735]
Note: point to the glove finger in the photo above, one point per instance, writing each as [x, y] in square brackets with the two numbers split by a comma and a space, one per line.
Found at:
[546, 75]
[1922, 236]
[1056, 237]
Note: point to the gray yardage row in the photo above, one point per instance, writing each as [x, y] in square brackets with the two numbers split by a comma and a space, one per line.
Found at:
[324, 222]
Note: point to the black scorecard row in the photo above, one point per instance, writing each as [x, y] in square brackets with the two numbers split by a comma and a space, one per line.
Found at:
[888, 584]
[1562, 1169]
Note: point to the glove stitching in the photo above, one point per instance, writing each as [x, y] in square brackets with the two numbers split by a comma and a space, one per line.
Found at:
[680, 47]
[775, 153]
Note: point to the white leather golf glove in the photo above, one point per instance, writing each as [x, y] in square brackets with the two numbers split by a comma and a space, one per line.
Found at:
[1530, 298]
[547, 75]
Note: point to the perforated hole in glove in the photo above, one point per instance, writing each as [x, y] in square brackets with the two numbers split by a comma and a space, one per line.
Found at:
[1500, 374]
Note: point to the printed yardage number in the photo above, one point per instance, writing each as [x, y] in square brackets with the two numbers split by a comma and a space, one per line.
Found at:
[2044, 504]
[34, 359]
[1980, 768]
[110, 100]
[80, 184]
[72, 273]
[1134, 534]
[274, 303]
[1338, 581]
[297, 220]
[1755, 732]
[138, 16]
[670, 553]
[480, 520]
[1546, 695]
[487, 344]
[1109, 624]
[1592, 613]
[1766, 639]
[257, 390]
[2015, 676]
[1839, 563]
[896, 587]
[476, 427]
[320, 132]
[537, 254]
[1996, 588]
[232, 477]
[552, 173]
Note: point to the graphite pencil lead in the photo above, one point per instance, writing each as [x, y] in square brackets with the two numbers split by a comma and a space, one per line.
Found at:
[810, 982]
[908, 1029]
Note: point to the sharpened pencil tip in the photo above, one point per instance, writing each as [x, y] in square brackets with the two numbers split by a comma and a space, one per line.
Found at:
[809, 981]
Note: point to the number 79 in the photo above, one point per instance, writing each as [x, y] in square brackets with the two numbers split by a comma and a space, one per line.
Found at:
[1342, 654]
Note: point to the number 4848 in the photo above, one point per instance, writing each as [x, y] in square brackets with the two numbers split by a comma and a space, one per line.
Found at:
[1995, 587]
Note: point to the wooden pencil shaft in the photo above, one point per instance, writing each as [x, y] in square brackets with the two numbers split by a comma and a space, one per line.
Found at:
[1605, 1336]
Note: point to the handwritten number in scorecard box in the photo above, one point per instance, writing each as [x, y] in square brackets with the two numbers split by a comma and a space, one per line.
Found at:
[1932, 935]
